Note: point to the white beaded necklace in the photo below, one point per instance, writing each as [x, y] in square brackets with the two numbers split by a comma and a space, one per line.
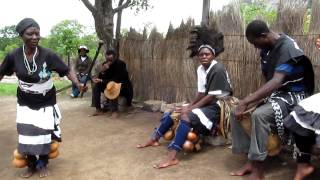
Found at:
[26, 62]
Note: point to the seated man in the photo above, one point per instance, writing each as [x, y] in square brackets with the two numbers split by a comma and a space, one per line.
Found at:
[289, 75]
[81, 67]
[304, 123]
[203, 112]
[112, 69]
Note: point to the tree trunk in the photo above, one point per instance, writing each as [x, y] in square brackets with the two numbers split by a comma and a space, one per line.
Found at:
[205, 13]
[118, 29]
[104, 28]
[103, 14]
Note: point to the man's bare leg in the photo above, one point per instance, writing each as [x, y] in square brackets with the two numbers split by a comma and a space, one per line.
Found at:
[170, 160]
[246, 169]
[303, 170]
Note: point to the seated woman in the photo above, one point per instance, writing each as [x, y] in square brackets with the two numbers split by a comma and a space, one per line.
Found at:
[304, 123]
[203, 112]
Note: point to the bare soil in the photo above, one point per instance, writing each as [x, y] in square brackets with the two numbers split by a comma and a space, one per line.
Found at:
[104, 148]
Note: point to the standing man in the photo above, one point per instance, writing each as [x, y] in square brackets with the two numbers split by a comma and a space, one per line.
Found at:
[113, 69]
[290, 78]
[81, 67]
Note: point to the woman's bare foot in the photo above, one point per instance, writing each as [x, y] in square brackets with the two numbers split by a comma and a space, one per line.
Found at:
[153, 143]
[43, 172]
[303, 170]
[171, 160]
[246, 169]
[97, 113]
[166, 163]
[28, 173]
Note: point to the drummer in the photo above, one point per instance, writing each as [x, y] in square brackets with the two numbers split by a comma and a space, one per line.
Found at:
[289, 78]
[203, 112]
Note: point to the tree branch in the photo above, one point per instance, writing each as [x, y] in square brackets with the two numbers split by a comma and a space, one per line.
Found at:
[89, 6]
[121, 7]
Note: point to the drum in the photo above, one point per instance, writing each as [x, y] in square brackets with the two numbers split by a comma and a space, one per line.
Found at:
[274, 142]
[227, 104]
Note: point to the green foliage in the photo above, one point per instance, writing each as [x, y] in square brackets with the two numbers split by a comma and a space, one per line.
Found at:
[9, 39]
[258, 8]
[8, 36]
[61, 83]
[306, 21]
[65, 37]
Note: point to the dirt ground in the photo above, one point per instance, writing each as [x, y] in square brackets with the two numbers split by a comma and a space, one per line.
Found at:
[104, 148]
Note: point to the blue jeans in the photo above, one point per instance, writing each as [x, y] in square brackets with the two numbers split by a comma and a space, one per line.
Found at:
[75, 90]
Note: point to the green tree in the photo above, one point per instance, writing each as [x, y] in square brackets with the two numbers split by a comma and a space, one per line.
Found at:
[9, 39]
[250, 11]
[65, 38]
[8, 36]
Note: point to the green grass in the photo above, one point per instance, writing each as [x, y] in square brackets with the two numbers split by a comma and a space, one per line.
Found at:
[10, 89]
[61, 83]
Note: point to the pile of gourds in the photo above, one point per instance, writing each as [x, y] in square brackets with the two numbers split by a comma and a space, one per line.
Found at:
[192, 142]
[20, 160]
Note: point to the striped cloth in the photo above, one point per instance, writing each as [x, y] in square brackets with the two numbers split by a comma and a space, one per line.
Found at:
[37, 128]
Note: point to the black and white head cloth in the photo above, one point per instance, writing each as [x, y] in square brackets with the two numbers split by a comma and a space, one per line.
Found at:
[207, 46]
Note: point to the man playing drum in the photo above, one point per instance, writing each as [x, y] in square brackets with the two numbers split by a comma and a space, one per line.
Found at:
[289, 79]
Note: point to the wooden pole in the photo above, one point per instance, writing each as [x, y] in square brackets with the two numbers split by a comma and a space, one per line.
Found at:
[205, 13]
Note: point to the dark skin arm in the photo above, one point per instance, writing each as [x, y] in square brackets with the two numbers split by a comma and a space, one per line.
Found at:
[205, 100]
[72, 77]
[198, 98]
[200, 101]
[261, 93]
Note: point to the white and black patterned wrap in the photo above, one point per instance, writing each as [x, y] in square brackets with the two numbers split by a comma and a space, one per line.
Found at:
[37, 128]
[282, 104]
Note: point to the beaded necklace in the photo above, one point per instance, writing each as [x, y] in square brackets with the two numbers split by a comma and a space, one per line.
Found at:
[26, 62]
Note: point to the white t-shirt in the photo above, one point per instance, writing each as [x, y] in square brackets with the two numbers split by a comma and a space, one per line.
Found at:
[202, 76]
[311, 104]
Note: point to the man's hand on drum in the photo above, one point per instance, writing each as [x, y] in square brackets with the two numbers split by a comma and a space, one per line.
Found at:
[240, 109]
